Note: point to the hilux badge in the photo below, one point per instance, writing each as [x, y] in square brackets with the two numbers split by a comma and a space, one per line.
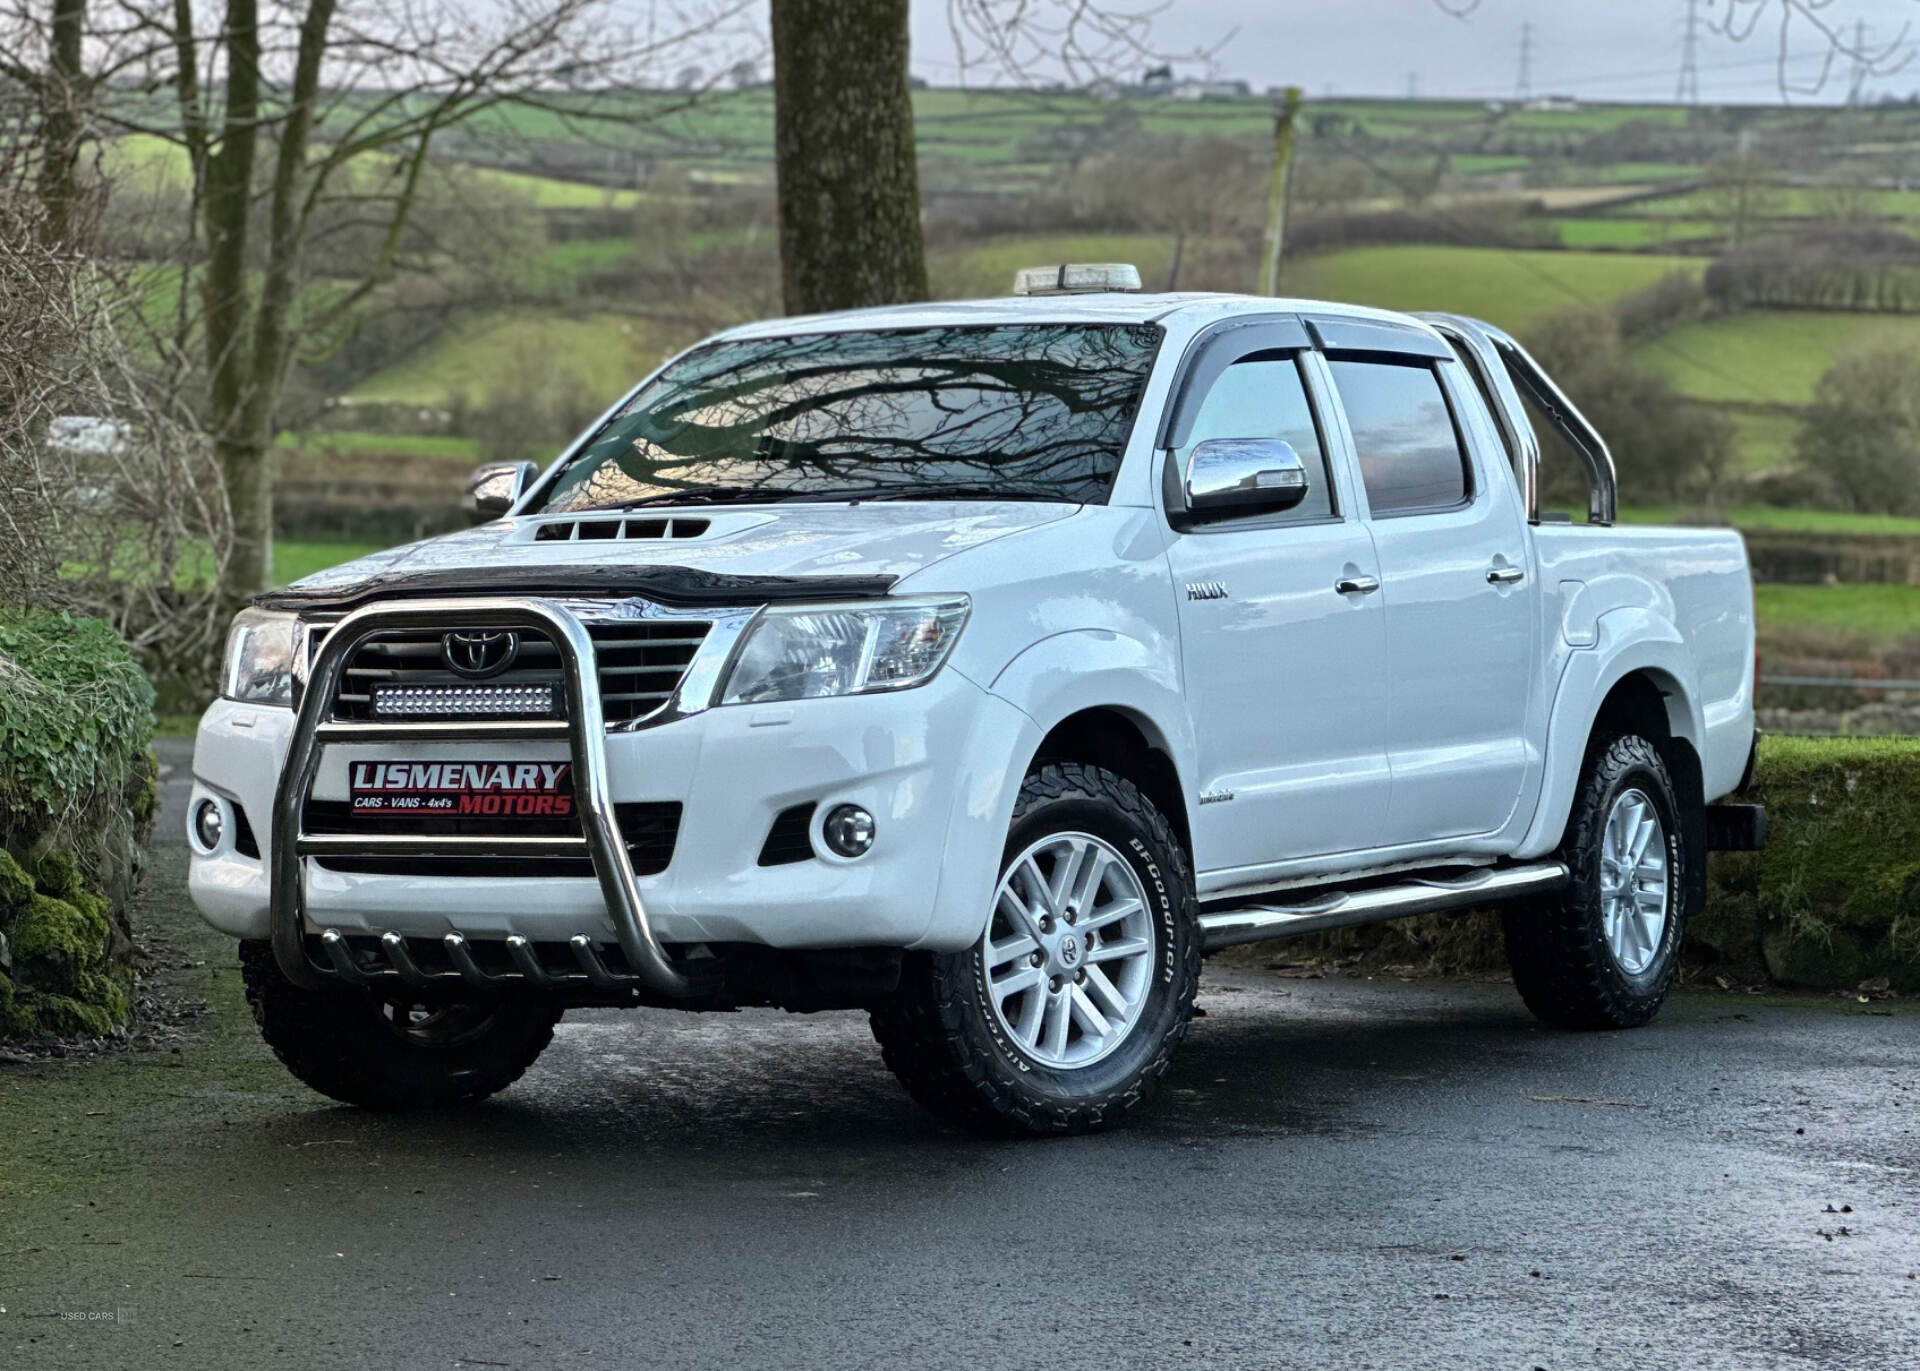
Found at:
[479, 653]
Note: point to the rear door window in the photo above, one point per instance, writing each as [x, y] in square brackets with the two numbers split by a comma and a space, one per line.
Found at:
[1411, 455]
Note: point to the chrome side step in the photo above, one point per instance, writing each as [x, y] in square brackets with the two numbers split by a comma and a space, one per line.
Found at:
[1323, 910]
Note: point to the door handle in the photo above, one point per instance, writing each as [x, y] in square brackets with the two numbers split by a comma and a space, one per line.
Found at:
[1506, 575]
[1357, 585]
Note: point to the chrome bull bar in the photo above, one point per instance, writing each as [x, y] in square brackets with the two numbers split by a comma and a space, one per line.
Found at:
[584, 728]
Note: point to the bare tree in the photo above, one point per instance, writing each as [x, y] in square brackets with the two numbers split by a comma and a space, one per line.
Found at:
[109, 501]
[284, 109]
[1837, 34]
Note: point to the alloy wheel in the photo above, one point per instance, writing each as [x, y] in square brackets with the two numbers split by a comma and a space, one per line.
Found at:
[1069, 951]
[1634, 885]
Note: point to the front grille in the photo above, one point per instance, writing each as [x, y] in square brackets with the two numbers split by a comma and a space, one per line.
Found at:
[641, 664]
[651, 830]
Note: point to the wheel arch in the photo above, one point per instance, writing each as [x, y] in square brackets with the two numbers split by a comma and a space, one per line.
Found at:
[1638, 678]
[1116, 701]
[1129, 744]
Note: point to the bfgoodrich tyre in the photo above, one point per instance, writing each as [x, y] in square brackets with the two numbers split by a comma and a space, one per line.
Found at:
[1601, 953]
[1065, 1014]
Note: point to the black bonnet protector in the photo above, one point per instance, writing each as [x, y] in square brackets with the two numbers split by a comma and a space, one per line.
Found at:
[680, 587]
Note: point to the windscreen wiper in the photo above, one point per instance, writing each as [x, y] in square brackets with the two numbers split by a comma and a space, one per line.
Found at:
[926, 490]
[957, 490]
[708, 495]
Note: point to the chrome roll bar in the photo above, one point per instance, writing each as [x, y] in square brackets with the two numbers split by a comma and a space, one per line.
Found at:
[585, 730]
[1505, 370]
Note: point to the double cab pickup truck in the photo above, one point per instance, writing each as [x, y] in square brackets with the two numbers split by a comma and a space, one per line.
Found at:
[982, 666]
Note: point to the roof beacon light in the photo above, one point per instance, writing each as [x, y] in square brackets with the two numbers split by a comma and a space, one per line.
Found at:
[1076, 278]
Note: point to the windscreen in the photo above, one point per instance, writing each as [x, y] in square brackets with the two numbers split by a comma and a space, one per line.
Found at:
[1029, 411]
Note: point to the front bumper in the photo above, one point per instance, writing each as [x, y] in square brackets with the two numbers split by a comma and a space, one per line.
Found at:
[937, 766]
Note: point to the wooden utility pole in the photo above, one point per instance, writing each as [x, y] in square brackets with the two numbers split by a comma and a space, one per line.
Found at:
[1283, 132]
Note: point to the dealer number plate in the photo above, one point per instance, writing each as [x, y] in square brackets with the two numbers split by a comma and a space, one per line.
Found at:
[492, 789]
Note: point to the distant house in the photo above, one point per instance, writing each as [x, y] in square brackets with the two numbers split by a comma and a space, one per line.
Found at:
[1209, 90]
[1552, 104]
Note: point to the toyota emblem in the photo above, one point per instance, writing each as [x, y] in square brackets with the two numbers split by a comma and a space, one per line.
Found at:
[479, 653]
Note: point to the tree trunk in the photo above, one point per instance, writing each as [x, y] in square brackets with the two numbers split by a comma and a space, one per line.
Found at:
[225, 208]
[844, 153]
[247, 471]
[63, 101]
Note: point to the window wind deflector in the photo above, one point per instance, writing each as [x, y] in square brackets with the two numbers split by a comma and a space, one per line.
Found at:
[1372, 335]
[1211, 354]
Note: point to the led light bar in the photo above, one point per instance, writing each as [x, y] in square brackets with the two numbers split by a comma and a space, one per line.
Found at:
[507, 701]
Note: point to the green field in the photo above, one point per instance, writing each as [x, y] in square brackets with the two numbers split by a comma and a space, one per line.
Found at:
[1764, 440]
[406, 444]
[1769, 356]
[293, 559]
[600, 354]
[1631, 233]
[1796, 203]
[1511, 289]
[1768, 518]
[1884, 613]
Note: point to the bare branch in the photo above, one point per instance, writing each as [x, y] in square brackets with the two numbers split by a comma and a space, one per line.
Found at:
[1087, 41]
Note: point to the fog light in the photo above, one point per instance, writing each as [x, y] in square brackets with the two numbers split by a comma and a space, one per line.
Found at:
[848, 830]
[208, 824]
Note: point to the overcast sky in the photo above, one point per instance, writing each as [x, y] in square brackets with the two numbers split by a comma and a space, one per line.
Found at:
[1596, 49]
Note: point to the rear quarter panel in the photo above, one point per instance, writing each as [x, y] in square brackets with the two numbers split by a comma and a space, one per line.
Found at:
[1676, 603]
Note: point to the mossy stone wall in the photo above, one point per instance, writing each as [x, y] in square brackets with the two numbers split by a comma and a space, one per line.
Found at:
[1834, 900]
[77, 797]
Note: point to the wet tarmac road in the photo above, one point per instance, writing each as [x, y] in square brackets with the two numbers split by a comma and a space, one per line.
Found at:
[1339, 1173]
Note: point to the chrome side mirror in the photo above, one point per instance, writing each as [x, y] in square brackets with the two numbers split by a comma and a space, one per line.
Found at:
[495, 487]
[1239, 476]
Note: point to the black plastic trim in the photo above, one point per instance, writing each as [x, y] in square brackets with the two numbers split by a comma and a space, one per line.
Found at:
[665, 585]
[1736, 828]
[244, 841]
[790, 839]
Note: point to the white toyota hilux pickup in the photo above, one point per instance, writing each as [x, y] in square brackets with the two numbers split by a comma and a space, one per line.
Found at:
[982, 666]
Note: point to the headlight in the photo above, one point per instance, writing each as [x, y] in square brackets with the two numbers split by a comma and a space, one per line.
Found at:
[260, 658]
[806, 653]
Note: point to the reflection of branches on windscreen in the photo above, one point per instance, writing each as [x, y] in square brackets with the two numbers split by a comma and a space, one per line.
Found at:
[1030, 410]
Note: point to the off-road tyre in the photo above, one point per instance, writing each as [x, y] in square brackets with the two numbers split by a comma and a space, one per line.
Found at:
[941, 1038]
[348, 1046]
[1557, 945]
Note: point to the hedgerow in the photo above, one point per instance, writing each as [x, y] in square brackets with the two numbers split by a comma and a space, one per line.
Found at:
[76, 722]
